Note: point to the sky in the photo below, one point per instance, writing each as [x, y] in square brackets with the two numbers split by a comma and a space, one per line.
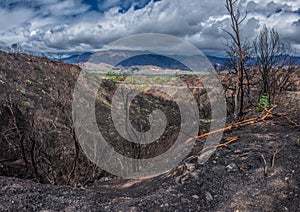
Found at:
[70, 26]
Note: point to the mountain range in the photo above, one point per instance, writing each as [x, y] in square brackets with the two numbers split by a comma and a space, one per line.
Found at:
[128, 58]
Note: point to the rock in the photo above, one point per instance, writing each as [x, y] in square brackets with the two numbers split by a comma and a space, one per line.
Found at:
[232, 167]
[208, 196]
[195, 196]
[165, 205]
[190, 166]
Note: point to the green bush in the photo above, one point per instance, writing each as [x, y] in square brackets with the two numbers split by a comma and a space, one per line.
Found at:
[263, 103]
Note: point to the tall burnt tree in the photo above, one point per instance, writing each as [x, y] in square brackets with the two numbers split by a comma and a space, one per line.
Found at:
[238, 53]
[273, 62]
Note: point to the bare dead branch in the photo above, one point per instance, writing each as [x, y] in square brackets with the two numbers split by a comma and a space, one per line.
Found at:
[265, 164]
[274, 155]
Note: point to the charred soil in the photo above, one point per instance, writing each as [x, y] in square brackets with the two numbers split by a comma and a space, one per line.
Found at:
[42, 166]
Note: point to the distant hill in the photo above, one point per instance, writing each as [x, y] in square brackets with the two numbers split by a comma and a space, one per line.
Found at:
[153, 60]
[128, 58]
[78, 58]
[297, 61]
[142, 58]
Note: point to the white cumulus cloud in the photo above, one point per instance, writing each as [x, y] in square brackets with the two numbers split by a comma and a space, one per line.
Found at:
[71, 25]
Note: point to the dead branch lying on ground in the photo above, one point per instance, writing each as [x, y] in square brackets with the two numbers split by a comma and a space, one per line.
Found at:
[239, 124]
[291, 121]
[229, 141]
[233, 126]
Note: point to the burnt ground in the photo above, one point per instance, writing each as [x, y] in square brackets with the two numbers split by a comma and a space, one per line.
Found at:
[42, 168]
[233, 179]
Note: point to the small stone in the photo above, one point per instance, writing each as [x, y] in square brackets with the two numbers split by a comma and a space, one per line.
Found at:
[195, 196]
[232, 167]
[164, 205]
[208, 196]
[133, 209]
[190, 166]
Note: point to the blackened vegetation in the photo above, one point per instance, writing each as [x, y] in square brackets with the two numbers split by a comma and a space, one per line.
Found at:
[259, 171]
[36, 128]
[139, 111]
[37, 136]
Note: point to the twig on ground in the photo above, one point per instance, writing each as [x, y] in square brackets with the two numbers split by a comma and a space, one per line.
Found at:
[265, 164]
[229, 141]
[239, 124]
[274, 155]
[292, 122]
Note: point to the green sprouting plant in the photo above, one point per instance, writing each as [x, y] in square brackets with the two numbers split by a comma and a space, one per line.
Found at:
[25, 101]
[263, 103]
[297, 142]
[207, 121]
[173, 127]
[29, 82]
[1, 79]
[20, 88]
[104, 101]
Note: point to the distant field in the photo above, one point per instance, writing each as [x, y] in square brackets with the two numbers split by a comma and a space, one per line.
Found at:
[147, 73]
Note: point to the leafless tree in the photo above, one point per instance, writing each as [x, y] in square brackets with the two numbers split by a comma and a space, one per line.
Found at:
[238, 52]
[16, 48]
[273, 62]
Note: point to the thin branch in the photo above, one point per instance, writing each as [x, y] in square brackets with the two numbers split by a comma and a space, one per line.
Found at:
[237, 124]
[274, 155]
[244, 18]
[231, 35]
[265, 164]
